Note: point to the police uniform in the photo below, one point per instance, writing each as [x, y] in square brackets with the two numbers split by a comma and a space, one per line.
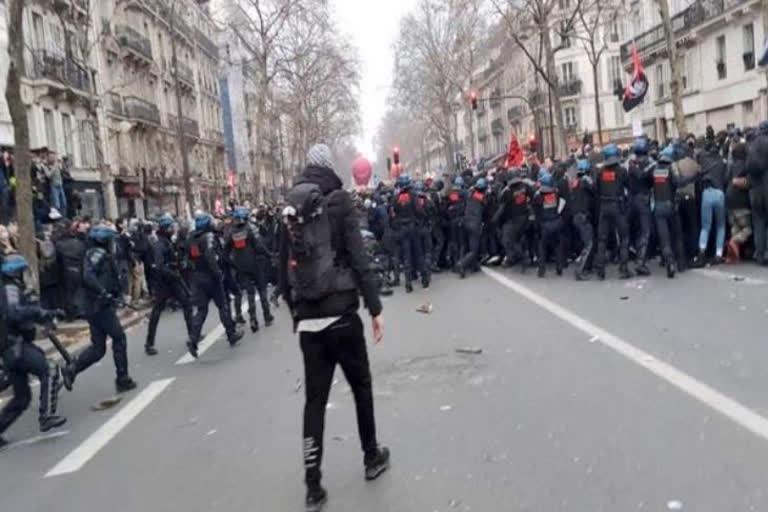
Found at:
[612, 192]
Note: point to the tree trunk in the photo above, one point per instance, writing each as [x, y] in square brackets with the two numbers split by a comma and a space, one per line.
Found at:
[24, 212]
[448, 153]
[597, 103]
[561, 143]
[189, 194]
[471, 124]
[674, 66]
[261, 131]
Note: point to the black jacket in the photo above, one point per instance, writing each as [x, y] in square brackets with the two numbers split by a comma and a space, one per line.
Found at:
[757, 157]
[714, 170]
[346, 238]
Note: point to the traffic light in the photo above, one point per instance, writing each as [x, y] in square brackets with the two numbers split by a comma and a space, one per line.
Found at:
[473, 100]
[396, 156]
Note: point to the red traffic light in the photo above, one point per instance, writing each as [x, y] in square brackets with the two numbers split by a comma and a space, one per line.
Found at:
[473, 100]
[532, 143]
[396, 156]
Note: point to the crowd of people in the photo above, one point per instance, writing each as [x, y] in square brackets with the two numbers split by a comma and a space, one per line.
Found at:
[681, 201]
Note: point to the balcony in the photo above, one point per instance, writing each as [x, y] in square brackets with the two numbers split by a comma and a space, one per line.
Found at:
[137, 45]
[185, 74]
[60, 70]
[497, 127]
[216, 136]
[115, 104]
[515, 113]
[696, 14]
[189, 126]
[141, 110]
[571, 87]
[206, 44]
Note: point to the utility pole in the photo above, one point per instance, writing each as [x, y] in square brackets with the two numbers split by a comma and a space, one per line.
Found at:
[187, 175]
[674, 66]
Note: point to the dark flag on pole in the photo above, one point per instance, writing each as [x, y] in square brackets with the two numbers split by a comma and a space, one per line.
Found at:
[636, 89]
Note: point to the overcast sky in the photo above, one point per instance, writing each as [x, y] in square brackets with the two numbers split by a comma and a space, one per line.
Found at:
[373, 27]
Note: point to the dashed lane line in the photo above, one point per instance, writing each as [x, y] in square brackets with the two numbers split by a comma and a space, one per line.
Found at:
[99, 439]
[702, 392]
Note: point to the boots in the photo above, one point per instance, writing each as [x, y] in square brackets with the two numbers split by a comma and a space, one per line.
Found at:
[542, 271]
[150, 350]
[68, 373]
[376, 463]
[671, 269]
[316, 498]
[408, 287]
[125, 383]
[643, 270]
[624, 272]
[268, 318]
[239, 319]
[50, 422]
[192, 348]
[235, 337]
[254, 324]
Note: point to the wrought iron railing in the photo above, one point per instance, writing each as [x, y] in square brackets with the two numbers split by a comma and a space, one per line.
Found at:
[141, 110]
[58, 68]
[133, 40]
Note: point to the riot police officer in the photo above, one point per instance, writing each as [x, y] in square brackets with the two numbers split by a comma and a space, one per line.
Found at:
[640, 170]
[102, 289]
[425, 220]
[223, 230]
[246, 250]
[207, 281]
[548, 206]
[405, 211]
[167, 281]
[21, 357]
[512, 215]
[439, 224]
[475, 213]
[611, 188]
[455, 205]
[582, 206]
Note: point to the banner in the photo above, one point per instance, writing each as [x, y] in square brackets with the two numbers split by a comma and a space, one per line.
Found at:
[637, 88]
[514, 153]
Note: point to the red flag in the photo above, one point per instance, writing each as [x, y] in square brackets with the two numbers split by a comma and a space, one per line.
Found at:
[514, 153]
[636, 89]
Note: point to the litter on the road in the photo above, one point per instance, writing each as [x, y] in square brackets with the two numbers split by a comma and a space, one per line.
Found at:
[469, 350]
[624, 297]
[454, 503]
[739, 278]
[106, 404]
[298, 385]
[211, 432]
[339, 438]
[446, 407]
[675, 505]
[425, 308]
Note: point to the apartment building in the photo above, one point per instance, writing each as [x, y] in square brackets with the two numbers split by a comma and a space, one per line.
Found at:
[718, 42]
[6, 128]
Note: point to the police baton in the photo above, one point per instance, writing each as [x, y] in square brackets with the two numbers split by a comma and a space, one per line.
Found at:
[50, 332]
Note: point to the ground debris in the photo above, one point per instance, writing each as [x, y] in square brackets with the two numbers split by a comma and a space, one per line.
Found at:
[339, 438]
[624, 297]
[107, 403]
[454, 503]
[445, 408]
[425, 308]
[675, 505]
[469, 350]
[298, 385]
[211, 432]
[739, 278]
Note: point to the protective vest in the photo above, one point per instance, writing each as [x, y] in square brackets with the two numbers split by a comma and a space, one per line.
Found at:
[640, 176]
[550, 199]
[405, 207]
[475, 206]
[243, 252]
[455, 203]
[662, 186]
[200, 244]
[609, 185]
[581, 196]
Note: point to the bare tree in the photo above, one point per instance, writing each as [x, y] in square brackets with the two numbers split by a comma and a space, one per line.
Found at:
[674, 66]
[594, 20]
[18, 112]
[542, 18]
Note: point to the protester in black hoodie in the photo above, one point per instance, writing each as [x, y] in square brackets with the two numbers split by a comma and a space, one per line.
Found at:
[330, 329]
[757, 164]
[737, 202]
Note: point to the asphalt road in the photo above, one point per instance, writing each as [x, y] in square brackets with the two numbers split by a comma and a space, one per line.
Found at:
[646, 394]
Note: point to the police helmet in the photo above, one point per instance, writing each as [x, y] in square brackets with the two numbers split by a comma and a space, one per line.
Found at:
[458, 182]
[404, 180]
[481, 184]
[102, 234]
[439, 185]
[203, 221]
[545, 177]
[611, 155]
[640, 146]
[667, 154]
[240, 213]
[418, 186]
[14, 265]
[166, 221]
[583, 166]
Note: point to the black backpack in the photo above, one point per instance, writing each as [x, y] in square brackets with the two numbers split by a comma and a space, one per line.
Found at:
[314, 269]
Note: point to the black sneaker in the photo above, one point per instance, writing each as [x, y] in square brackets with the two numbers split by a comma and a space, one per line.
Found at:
[408, 287]
[240, 319]
[149, 350]
[670, 270]
[425, 283]
[254, 325]
[642, 270]
[269, 320]
[235, 337]
[624, 273]
[377, 464]
[124, 384]
[542, 272]
[68, 374]
[316, 498]
[49, 422]
[192, 348]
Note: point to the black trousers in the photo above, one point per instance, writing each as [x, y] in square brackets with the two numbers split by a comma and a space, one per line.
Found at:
[612, 220]
[640, 221]
[438, 237]
[205, 289]
[102, 324]
[583, 225]
[690, 219]
[252, 283]
[512, 234]
[550, 240]
[31, 360]
[455, 241]
[670, 232]
[342, 343]
[474, 233]
[164, 291]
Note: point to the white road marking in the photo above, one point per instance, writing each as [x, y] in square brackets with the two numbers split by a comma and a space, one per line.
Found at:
[211, 338]
[99, 439]
[727, 276]
[707, 395]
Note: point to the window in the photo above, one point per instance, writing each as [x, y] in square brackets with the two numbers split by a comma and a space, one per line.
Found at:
[57, 34]
[614, 34]
[749, 47]
[39, 33]
[50, 129]
[722, 69]
[659, 82]
[66, 125]
[87, 146]
[570, 116]
[614, 73]
[683, 63]
[618, 114]
[567, 71]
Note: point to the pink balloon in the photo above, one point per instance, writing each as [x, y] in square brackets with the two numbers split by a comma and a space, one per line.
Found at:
[361, 171]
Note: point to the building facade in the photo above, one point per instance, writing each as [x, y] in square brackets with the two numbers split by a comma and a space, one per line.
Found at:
[6, 128]
[718, 43]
